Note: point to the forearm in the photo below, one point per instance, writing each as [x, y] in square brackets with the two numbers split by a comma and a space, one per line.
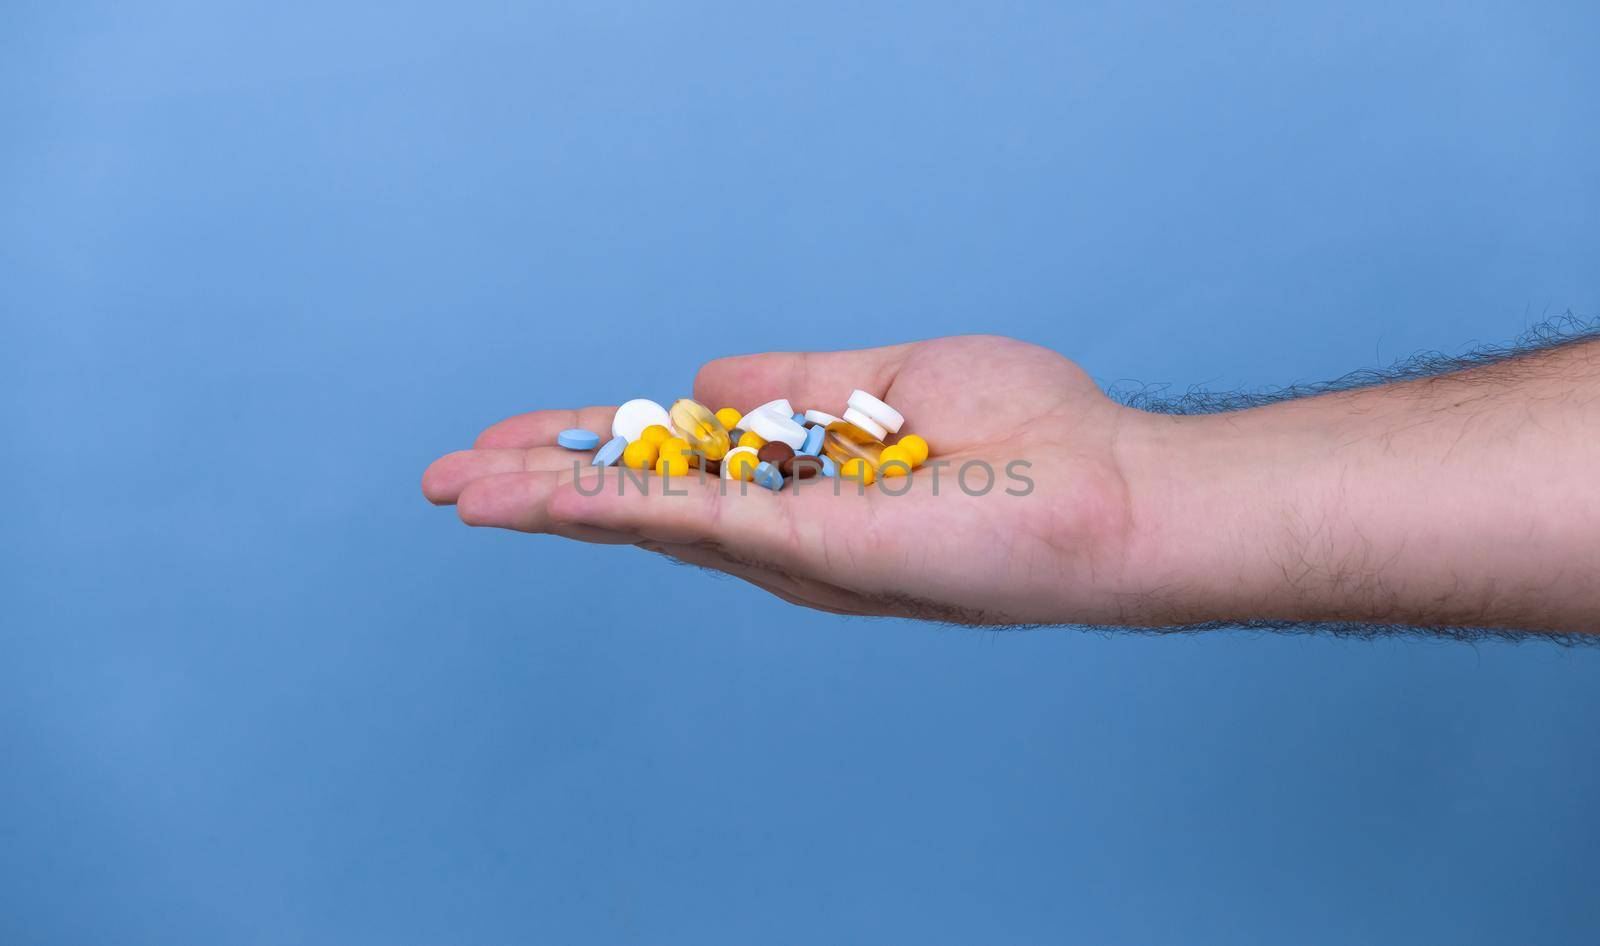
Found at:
[1469, 499]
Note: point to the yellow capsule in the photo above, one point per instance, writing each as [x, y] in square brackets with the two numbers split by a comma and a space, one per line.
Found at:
[742, 465]
[844, 441]
[730, 418]
[672, 464]
[857, 468]
[916, 446]
[640, 455]
[696, 424]
[751, 440]
[895, 461]
[654, 434]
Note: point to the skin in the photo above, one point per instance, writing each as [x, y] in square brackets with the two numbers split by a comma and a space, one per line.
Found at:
[1464, 500]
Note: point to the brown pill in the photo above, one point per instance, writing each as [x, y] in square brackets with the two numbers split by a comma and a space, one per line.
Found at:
[775, 453]
[803, 468]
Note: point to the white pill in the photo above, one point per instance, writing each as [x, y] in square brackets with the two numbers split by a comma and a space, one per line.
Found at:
[853, 416]
[771, 426]
[633, 417]
[781, 406]
[727, 468]
[820, 417]
[885, 415]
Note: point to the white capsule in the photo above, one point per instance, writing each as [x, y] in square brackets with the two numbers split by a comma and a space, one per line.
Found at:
[853, 416]
[886, 416]
[771, 426]
[633, 417]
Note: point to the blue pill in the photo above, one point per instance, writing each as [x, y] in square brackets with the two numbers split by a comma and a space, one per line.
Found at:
[768, 476]
[828, 467]
[611, 452]
[813, 444]
[800, 418]
[576, 438]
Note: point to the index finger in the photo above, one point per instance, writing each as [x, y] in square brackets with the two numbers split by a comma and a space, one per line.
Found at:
[539, 428]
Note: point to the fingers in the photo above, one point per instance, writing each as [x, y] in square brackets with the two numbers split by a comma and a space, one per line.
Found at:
[808, 379]
[522, 444]
[447, 476]
[742, 522]
[539, 428]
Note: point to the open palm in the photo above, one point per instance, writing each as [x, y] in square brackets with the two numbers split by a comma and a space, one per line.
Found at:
[1035, 531]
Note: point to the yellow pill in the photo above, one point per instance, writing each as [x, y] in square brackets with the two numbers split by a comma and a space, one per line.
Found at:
[916, 446]
[742, 465]
[654, 434]
[730, 418]
[672, 465]
[895, 461]
[639, 455]
[751, 440]
[856, 468]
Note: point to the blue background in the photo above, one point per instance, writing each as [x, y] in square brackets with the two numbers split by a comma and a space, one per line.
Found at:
[262, 262]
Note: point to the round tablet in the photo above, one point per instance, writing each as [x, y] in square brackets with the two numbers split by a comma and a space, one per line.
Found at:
[781, 406]
[733, 467]
[770, 426]
[820, 417]
[633, 417]
[609, 453]
[886, 416]
[776, 453]
[853, 416]
[576, 438]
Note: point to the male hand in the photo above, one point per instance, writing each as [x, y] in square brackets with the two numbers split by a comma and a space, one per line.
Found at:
[1048, 539]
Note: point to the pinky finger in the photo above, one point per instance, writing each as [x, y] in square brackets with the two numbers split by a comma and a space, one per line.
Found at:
[521, 501]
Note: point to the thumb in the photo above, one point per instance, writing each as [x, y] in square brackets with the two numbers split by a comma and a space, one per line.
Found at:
[822, 380]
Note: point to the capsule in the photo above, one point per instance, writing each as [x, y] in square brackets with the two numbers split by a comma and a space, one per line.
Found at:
[845, 441]
[695, 423]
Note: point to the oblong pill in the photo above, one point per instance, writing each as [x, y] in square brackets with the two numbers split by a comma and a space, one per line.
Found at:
[611, 452]
[813, 444]
[576, 438]
[695, 423]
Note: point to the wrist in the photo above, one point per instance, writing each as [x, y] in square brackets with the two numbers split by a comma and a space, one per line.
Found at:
[1231, 515]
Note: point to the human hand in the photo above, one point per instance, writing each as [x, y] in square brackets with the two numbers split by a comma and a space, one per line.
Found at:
[1048, 541]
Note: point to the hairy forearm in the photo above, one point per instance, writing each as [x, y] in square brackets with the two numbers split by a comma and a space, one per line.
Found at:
[1469, 499]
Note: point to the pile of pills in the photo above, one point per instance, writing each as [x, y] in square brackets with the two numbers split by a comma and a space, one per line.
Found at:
[770, 446]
